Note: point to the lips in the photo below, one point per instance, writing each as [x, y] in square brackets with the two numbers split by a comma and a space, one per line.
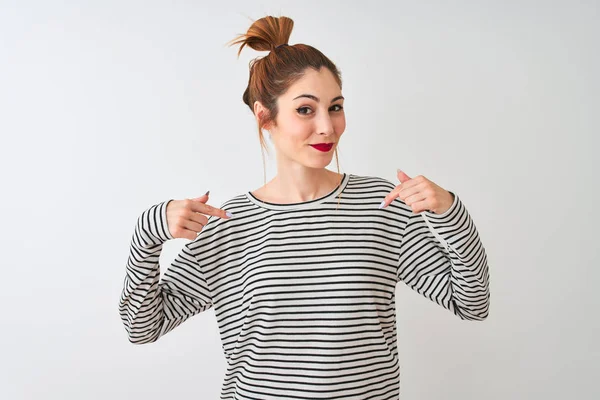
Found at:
[323, 146]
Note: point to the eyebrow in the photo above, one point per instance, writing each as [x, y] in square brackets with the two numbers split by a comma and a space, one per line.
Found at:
[315, 98]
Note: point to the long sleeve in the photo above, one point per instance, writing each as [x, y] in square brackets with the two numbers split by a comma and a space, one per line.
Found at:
[150, 307]
[442, 258]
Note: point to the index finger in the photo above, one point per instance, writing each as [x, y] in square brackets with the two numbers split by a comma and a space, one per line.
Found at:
[210, 210]
[390, 196]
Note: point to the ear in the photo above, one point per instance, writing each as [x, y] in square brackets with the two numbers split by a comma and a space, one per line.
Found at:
[261, 111]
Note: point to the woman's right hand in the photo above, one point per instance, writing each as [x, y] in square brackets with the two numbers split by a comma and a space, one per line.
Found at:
[186, 218]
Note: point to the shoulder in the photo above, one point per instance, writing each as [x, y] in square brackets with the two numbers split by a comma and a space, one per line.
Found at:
[370, 181]
[377, 188]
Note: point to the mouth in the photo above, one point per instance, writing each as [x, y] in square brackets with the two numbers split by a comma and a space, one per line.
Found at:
[324, 147]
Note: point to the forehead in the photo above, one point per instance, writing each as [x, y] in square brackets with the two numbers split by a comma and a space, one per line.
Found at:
[320, 83]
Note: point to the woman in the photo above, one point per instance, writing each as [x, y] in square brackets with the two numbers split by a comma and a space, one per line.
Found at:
[302, 271]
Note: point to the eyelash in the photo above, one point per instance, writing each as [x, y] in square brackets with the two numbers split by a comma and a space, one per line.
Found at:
[302, 108]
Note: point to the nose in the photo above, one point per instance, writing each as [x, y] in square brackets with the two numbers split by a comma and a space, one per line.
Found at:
[324, 125]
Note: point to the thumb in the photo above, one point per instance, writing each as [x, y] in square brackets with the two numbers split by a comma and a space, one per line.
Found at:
[402, 176]
[202, 198]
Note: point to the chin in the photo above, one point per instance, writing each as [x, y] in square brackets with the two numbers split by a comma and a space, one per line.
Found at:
[318, 164]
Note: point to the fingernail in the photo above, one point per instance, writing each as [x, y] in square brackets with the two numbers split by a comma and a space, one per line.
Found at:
[382, 204]
[399, 170]
[230, 215]
[206, 194]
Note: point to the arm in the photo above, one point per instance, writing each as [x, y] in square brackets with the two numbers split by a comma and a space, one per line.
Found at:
[149, 308]
[442, 258]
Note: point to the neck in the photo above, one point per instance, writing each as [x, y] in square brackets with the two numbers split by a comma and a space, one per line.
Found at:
[302, 184]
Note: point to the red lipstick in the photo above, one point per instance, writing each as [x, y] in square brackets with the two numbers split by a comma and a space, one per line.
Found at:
[323, 146]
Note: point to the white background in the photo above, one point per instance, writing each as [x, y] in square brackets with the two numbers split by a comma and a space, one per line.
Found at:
[108, 107]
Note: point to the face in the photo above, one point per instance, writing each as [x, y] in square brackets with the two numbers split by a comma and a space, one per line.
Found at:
[310, 112]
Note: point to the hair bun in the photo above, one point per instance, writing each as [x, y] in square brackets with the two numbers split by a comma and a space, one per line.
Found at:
[266, 34]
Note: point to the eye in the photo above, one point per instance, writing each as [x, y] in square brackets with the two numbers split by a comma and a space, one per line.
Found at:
[339, 109]
[302, 108]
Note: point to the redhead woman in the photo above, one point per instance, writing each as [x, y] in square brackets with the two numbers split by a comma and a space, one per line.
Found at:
[301, 272]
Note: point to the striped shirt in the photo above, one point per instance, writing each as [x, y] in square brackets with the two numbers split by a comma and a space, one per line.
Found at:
[304, 293]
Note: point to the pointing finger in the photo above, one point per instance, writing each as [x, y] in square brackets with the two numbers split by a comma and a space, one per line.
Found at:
[402, 176]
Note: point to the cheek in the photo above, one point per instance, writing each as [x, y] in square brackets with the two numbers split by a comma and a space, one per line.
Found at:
[291, 137]
[298, 131]
[339, 124]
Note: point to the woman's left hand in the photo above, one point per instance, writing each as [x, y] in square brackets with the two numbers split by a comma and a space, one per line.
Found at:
[420, 194]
